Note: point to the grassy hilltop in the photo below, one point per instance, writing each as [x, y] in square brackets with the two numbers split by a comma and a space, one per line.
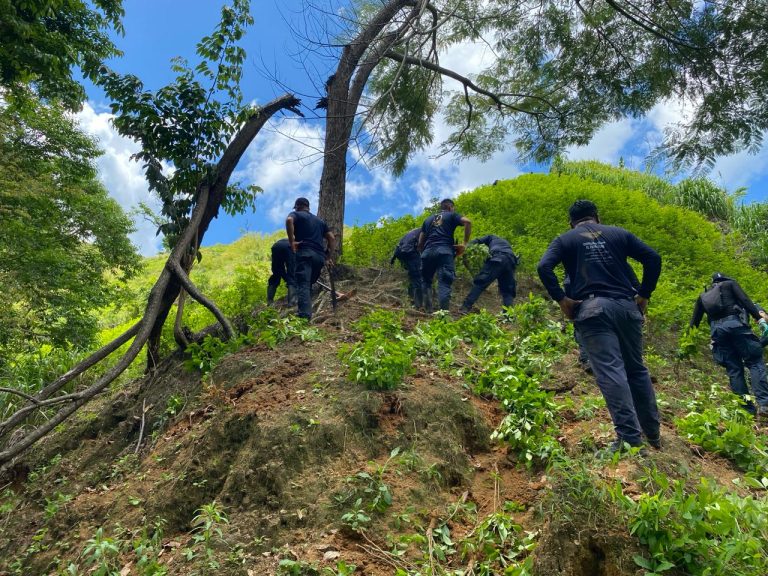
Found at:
[381, 441]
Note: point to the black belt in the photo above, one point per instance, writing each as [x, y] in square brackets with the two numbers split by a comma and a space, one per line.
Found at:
[726, 317]
[611, 296]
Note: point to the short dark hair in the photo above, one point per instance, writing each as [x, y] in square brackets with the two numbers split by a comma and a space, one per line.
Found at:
[582, 209]
[300, 202]
[446, 203]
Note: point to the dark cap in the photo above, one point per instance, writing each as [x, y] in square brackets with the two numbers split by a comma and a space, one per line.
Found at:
[719, 277]
[582, 209]
[301, 203]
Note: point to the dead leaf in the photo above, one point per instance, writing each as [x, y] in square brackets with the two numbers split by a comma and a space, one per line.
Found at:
[330, 555]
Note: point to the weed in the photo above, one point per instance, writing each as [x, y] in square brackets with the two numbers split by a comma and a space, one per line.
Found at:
[207, 529]
[706, 531]
[52, 505]
[101, 553]
[288, 567]
[370, 493]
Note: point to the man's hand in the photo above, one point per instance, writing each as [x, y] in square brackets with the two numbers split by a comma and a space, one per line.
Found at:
[329, 260]
[459, 248]
[642, 303]
[568, 306]
[295, 246]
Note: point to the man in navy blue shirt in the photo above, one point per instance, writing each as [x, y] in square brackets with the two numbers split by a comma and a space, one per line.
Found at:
[283, 268]
[500, 265]
[406, 252]
[608, 313]
[306, 235]
[437, 248]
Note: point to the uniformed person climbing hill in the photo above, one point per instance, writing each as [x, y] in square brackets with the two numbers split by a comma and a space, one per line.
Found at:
[734, 346]
[283, 268]
[438, 250]
[307, 235]
[408, 255]
[609, 315]
[500, 265]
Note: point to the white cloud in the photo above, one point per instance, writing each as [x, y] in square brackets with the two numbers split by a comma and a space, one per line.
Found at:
[122, 176]
[607, 143]
[285, 159]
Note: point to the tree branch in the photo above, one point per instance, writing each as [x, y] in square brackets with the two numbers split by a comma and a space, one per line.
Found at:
[192, 290]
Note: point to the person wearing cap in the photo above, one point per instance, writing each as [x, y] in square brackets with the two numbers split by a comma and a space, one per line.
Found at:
[406, 252]
[608, 314]
[500, 266]
[283, 269]
[734, 345]
[306, 236]
[437, 248]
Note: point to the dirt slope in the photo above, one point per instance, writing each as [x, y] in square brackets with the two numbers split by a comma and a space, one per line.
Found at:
[282, 442]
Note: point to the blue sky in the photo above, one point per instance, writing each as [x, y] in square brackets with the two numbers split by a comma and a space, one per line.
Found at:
[284, 158]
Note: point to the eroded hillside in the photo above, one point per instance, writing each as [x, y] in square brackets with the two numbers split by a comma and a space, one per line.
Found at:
[474, 456]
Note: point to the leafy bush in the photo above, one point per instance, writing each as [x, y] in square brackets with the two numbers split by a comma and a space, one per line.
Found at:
[718, 424]
[705, 532]
[379, 363]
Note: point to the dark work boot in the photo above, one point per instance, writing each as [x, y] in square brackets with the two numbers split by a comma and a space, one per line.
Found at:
[271, 289]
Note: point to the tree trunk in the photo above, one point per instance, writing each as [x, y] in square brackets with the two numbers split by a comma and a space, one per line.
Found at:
[343, 91]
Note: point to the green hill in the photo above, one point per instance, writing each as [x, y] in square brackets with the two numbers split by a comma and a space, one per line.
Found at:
[379, 440]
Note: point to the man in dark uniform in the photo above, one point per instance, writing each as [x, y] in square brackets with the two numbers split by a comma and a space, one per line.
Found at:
[734, 346]
[609, 315]
[500, 265]
[306, 233]
[406, 252]
[283, 268]
[437, 249]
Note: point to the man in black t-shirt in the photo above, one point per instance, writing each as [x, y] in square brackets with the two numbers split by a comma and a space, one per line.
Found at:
[307, 234]
[406, 252]
[283, 268]
[437, 248]
[734, 345]
[609, 315]
[500, 265]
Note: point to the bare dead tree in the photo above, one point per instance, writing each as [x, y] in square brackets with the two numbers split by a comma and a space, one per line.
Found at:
[210, 195]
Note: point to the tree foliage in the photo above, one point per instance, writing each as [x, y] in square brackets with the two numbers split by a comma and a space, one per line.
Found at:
[44, 39]
[61, 234]
[555, 71]
[560, 70]
[187, 124]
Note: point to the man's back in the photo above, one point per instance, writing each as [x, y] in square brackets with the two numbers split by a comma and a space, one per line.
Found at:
[595, 259]
[309, 230]
[438, 230]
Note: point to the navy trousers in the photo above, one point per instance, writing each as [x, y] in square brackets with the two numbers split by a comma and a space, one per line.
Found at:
[412, 264]
[309, 264]
[438, 262]
[735, 347]
[611, 330]
[502, 270]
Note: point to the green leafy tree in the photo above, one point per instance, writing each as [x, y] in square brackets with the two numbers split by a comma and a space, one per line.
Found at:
[61, 234]
[44, 39]
[558, 72]
[199, 126]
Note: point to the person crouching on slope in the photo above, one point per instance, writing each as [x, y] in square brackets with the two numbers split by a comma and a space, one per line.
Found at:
[609, 315]
[408, 255]
[500, 265]
[734, 346]
[283, 268]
